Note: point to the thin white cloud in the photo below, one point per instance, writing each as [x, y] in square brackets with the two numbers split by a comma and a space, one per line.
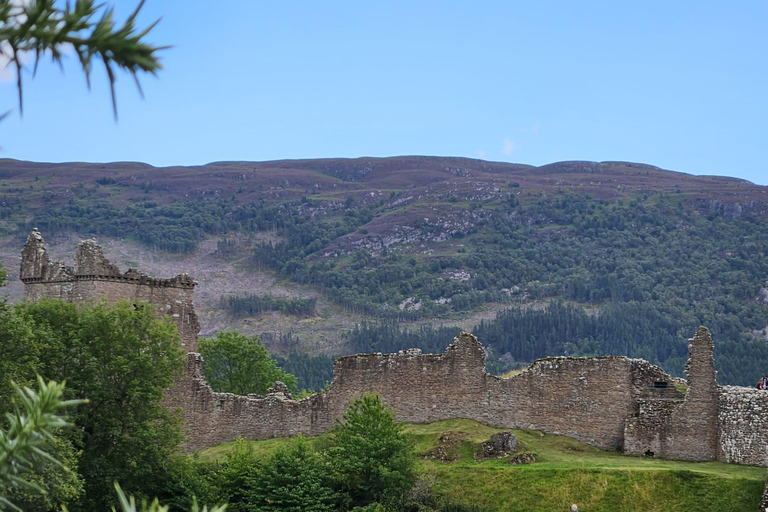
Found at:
[509, 146]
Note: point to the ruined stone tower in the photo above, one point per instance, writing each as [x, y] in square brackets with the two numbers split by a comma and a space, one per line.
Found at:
[95, 278]
[681, 428]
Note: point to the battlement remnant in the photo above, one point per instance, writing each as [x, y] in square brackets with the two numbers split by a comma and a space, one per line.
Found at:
[93, 277]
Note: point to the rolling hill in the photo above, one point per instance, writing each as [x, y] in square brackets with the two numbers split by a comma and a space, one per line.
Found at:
[379, 254]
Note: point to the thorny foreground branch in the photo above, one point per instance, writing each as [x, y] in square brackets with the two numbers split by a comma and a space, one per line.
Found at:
[38, 26]
[31, 425]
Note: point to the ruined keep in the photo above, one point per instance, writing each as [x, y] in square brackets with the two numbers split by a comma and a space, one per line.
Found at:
[94, 278]
[615, 403]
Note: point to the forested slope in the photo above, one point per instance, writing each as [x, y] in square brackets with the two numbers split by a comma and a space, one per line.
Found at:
[577, 257]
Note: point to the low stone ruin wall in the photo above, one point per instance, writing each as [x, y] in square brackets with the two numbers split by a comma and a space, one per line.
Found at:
[613, 403]
[588, 399]
[213, 418]
[585, 398]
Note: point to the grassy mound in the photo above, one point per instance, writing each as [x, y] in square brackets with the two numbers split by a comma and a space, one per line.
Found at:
[566, 471]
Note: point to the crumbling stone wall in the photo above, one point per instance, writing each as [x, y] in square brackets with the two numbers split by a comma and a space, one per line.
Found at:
[764, 503]
[585, 398]
[681, 429]
[213, 418]
[610, 402]
[94, 277]
[588, 399]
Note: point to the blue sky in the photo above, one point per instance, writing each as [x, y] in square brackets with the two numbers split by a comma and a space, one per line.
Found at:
[680, 85]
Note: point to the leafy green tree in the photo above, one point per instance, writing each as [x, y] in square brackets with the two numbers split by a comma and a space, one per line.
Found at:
[235, 363]
[295, 479]
[40, 27]
[233, 478]
[24, 443]
[121, 359]
[19, 353]
[371, 457]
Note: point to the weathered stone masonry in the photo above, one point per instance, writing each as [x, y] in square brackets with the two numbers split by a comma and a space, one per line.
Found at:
[684, 429]
[94, 277]
[610, 402]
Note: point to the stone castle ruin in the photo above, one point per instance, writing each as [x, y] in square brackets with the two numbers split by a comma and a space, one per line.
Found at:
[94, 278]
[614, 403]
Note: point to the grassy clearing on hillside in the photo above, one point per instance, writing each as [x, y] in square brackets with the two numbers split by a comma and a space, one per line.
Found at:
[566, 472]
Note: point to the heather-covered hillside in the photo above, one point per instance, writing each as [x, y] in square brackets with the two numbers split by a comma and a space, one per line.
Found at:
[381, 254]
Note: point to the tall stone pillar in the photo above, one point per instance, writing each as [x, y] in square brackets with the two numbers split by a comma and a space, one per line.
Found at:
[703, 391]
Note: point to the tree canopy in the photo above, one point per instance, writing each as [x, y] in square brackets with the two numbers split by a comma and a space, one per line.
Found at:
[121, 359]
[25, 443]
[370, 454]
[235, 363]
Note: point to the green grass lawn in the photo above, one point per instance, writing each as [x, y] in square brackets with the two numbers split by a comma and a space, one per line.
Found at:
[566, 471]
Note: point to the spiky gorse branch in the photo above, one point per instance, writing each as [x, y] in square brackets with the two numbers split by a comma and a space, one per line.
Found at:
[30, 427]
[128, 504]
[39, 27]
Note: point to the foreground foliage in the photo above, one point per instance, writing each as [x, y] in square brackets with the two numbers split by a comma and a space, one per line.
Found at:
[23, 452]
[370, 454]
[296, 479]
[25, 445]
[42, 28]
[121, 359]
[366, 463]
[128, 504]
